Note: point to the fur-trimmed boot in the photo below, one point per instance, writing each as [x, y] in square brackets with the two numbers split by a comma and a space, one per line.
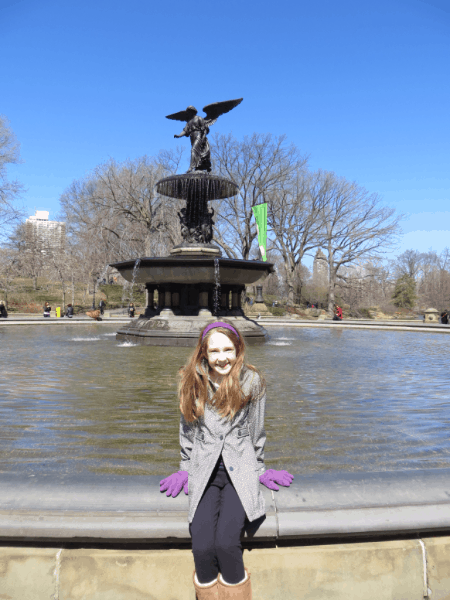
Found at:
[237, 591]
[206, 591]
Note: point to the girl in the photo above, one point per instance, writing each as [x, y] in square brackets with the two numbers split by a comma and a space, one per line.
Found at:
[222, 438]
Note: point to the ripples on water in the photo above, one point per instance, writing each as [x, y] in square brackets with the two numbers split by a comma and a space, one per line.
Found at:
[73, 400]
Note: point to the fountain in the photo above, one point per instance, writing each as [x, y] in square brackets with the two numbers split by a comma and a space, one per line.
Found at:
[194, 283]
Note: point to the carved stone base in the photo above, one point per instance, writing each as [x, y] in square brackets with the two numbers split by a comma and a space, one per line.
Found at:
[196, 250]
[258, 308]
[183, 331]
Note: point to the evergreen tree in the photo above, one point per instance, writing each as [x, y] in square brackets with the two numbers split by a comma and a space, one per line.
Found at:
[405, 292]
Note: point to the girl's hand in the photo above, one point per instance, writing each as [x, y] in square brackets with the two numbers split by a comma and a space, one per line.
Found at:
[270, 477]
[174, 483]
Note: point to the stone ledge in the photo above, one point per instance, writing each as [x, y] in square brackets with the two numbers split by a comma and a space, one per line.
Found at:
[102, 509]
[386, 325]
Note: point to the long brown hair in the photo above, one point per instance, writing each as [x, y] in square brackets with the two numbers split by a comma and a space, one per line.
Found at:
[193, 387]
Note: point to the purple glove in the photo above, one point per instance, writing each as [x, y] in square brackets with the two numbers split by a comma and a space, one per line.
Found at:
[174, 483]
[270, 477]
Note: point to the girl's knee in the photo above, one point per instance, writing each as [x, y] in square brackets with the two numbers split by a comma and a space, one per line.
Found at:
[226, 547]
[203, 549]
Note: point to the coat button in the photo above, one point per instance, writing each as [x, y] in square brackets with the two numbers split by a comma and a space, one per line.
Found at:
[221, 437]
[231, 468]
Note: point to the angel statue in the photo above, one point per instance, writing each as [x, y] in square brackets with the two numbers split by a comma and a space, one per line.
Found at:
[198, 128]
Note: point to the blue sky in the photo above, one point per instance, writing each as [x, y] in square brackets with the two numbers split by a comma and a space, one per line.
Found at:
[362, 87]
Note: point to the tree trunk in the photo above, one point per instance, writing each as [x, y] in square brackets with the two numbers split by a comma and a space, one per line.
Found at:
[298, 292]
[331, 300]
[332, 271]
[290, 286]
[86, 291]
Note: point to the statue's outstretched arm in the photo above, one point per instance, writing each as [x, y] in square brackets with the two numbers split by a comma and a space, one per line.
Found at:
[182, 134]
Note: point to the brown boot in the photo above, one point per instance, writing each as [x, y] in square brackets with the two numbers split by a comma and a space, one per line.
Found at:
[238, 591]
[206, 592]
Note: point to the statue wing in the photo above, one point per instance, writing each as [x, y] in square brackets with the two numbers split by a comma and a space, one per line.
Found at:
[179, 116]
[214, 110]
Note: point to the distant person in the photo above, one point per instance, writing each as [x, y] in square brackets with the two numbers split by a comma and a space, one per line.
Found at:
[444, 317]
[337, 313]
[3, 311]
[47, 309]
[131, 310]
[69, 311]
[101, 306]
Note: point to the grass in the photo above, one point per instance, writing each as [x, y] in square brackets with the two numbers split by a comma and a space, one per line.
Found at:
[24, 299]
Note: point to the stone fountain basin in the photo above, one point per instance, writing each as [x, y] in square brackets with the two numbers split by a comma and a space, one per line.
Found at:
[200, 185]
[190, 269]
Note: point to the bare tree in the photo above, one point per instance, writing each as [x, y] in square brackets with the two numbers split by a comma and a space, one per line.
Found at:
[60, 268]
[294, 215]
[366, 284]
[258, 165]
[10, 213]
[117, 204]
[30, 251]
[9, 270]
[409, 263]
[434, 283]
[356, 226]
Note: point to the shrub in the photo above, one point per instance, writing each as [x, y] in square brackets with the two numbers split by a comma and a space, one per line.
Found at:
[359, 313]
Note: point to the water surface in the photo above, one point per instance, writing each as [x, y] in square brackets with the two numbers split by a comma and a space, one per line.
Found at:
[74, 399]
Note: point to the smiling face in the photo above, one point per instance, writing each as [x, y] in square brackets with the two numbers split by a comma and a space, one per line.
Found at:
[221, 355]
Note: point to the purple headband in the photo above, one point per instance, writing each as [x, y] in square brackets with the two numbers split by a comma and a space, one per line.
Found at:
[218, 324]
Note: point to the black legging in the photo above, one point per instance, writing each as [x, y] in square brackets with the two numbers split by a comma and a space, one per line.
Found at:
[216, 531]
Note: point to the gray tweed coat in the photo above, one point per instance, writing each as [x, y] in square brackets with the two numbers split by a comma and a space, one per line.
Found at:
[241, 442]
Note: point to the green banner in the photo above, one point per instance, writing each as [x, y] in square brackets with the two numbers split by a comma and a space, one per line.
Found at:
[260, 212]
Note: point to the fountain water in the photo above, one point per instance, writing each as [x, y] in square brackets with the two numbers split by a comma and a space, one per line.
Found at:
[129, 285]
[133, 277]
[217, 287]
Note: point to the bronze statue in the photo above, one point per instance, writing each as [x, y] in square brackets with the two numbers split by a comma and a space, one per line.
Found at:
[198, 128]
[200, 232]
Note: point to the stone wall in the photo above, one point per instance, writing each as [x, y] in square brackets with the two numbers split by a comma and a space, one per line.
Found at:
[399, 569]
